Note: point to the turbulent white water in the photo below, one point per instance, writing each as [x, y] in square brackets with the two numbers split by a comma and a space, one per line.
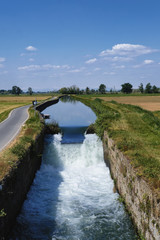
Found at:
[72, 196]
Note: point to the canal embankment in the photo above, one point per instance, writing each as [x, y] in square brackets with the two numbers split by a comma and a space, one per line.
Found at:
[18, 165]
[131, 139]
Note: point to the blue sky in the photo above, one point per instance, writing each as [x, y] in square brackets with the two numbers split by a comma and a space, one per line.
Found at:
[49, 44]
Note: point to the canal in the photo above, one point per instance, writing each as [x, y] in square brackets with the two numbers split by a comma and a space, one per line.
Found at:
[72, 196]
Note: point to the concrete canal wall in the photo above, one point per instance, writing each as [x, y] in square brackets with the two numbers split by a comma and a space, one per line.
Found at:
[142, 201]
[16, 184]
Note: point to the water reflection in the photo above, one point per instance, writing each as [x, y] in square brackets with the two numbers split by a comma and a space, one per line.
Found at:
[69, 113]
[68, 99]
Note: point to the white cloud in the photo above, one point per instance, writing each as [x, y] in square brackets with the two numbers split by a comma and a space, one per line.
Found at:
[145, 62]
[31, 59]
[120, 67]
[50, 66]
[1, 65]
[127, 49]
[2, 59]
[92, 60]
[43, 67]
[109, 73]
[97, 69]
[31, 49]
[148, 61]
[137, 66]
[66, 66]
[3, 72]
[75, 71]
[121, 59]
[88, 74]
[30, 67]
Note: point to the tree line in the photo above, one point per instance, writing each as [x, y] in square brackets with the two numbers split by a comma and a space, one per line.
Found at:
[75, 90]
[125, 88]
[128, 88]
[16, 91]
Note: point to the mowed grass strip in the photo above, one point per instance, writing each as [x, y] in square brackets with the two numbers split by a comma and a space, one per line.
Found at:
[136, 133]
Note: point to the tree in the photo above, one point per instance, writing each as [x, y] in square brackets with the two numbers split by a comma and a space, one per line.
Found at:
[30, 92]
[93, 91]
[102, 88]
[141, 89]
[87, 90]
[155, 89]
[126, 88]
[148, 88]
[16, 90]
[63, 90]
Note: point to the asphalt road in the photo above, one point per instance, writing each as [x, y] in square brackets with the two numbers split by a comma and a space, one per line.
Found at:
[10, 127]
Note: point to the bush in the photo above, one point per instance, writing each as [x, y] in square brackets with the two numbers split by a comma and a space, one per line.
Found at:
[52, 128]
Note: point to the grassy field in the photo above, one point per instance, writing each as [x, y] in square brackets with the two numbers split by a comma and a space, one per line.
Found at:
[136, 133]
[149, 102]
[8, 103]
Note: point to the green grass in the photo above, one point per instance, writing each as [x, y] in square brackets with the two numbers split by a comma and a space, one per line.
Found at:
[27, 137]
[119, 94]
[52, 128]
[136, 133]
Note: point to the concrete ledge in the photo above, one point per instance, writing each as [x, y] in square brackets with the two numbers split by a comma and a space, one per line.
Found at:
[46, 104]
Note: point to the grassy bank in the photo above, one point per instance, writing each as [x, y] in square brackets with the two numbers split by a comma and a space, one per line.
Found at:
[136, 133]
[17, 149]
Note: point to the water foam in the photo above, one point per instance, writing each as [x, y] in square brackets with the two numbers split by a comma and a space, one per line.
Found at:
[72, 196]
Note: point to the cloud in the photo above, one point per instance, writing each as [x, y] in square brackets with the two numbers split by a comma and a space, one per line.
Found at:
[121, 59]
[92, 60]
[126, 49]
[1, 65]
[109, 73]
[148, 61]
[2, 59]
[30, 67]
[50, 66]
[77, 70]
[120, 67]
[97, 69]
[31, 49]
[145, 62]
[43, 67]
[3, 72]
[31, 59]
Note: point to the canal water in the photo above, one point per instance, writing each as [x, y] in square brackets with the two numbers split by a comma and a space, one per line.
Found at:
[72, 196]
